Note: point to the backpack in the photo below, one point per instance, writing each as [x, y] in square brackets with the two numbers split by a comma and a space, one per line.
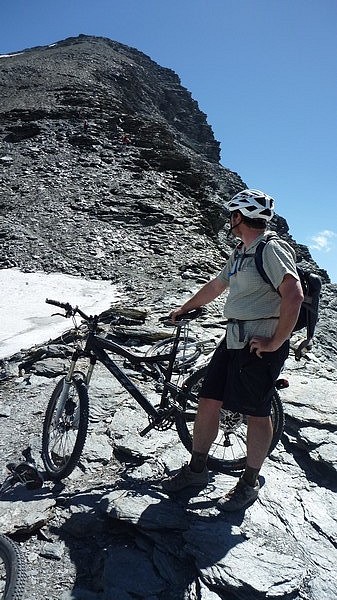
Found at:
[311, 287]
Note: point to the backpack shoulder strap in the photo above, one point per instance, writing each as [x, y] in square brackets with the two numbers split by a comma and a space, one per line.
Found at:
[259, 257]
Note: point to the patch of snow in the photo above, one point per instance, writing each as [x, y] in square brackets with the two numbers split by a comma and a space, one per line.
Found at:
[25, 318]
[7, 55]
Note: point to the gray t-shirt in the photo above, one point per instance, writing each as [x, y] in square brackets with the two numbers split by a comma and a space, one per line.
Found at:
[250, 298]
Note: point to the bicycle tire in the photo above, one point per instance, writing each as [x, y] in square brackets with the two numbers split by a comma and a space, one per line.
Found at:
[228, 452]
[12, 571]
[65, 429]
[189, 350]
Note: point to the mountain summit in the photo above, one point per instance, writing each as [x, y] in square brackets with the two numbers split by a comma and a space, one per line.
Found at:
[107, 164]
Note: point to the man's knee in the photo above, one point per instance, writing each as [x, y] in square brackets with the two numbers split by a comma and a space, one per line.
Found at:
[209, 405]
[258, 420]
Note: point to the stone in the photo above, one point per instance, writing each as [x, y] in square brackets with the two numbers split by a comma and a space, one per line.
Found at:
[144, 581]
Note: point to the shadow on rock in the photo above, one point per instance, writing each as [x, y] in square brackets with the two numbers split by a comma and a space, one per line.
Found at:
[135, 542]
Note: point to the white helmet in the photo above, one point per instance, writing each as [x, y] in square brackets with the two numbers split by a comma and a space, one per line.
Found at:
[253, 204]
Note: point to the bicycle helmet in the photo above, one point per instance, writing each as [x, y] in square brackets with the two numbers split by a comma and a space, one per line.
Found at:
[253, 204]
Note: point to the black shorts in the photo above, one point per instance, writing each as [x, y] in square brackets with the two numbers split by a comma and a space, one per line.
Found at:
[241, 380]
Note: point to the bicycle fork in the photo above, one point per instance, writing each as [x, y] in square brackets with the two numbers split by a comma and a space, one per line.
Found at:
[73, 409]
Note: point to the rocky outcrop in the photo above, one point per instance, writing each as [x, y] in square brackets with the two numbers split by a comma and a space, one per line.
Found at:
[110, 170]
[111, 514]
[110, 159]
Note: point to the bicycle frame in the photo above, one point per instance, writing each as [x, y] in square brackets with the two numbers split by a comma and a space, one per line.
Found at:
[96, 348]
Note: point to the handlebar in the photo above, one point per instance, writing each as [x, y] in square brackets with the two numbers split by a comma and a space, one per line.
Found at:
[188, 316]
[70, 310]
[65, 305]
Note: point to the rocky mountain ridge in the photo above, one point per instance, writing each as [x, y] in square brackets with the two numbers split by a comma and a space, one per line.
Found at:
[109, 170]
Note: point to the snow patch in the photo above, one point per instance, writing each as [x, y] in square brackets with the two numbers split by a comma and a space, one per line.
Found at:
[8, 55]
[25, 318]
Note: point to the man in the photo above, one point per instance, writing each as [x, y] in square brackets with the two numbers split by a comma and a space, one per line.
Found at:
[246, 364]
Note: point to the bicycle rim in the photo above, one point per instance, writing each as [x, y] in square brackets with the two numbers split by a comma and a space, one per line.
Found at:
[65, 428]
[12, 570]
[228, 451]
[188, 352]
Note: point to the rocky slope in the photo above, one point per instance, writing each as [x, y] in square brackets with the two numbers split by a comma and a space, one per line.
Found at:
[109, 169]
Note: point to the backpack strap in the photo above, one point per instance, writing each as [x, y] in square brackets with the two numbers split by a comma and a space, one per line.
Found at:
[311, 286]
[259, 258]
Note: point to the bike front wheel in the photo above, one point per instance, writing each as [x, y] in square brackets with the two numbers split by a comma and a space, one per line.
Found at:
[228, 452]
[12, 570]
[65, 428]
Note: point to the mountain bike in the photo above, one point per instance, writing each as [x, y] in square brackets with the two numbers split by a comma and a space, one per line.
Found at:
[12, 570]
[66, 419]
[190, 349]
[12, 565]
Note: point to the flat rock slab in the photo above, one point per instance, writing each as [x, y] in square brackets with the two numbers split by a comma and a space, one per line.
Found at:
[25, 516]
[145, 511]
[311, 401]
[229, 561]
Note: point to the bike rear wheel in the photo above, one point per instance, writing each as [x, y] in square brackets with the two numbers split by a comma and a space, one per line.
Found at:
[188, 352]
[228, 451]
[12, 570]
[65, 428]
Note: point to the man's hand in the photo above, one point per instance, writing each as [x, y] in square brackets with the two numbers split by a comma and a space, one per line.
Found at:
[209, 291]
[291, 300]
[261, 344]
[176, 313]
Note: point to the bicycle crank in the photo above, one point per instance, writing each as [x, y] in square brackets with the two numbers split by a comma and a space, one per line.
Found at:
[162, 422]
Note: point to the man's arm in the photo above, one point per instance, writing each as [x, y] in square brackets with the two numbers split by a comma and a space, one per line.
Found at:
[291, 299]
[206, 294]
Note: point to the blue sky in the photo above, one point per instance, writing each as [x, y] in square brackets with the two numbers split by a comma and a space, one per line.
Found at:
[264, 72]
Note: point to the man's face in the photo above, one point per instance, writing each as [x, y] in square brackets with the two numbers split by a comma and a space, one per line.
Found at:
[233, 219]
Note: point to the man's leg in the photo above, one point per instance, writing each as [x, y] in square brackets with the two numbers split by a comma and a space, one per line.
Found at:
[205, 430]
[259, 436]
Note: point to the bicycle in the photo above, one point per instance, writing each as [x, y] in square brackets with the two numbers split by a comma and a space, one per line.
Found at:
[12, 570]
[190, 349]
[12, 564]
[65, 424]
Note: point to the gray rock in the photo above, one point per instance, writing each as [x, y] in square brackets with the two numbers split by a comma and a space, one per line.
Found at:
[53, 550]
[142, 581]
[97, 448]
[146, 511]
[25, 516]
[228, 561]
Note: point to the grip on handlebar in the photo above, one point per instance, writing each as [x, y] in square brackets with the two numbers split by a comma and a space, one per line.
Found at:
[65, 305]
[188, 316]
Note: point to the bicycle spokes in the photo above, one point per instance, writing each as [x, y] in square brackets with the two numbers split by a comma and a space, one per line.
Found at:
[63, 430]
